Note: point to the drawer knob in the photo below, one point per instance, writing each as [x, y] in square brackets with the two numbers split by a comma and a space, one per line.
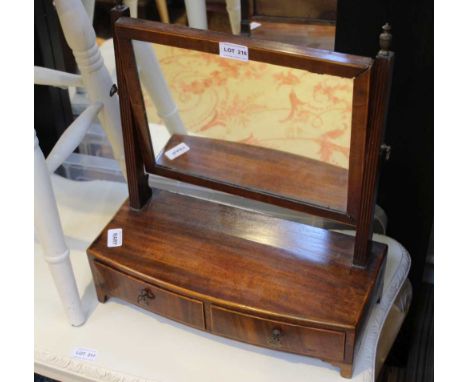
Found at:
[275, 337]
[145, 295]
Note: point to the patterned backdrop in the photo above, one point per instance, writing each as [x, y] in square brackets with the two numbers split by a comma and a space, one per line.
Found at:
[261, 104]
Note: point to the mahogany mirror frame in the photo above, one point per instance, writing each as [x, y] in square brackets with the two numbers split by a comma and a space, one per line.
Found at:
[372, 78]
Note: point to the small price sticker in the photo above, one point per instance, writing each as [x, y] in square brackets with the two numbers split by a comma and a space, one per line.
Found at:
[177, 151]
[84, 354]
[114, 237]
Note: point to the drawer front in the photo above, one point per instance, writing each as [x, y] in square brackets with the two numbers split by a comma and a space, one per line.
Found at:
[325, 344]
[150, 297]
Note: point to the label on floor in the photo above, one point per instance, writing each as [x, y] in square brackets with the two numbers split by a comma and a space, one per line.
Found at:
[177, 151]
[234, 51]
[85, 354]
[114, 237]
[254, 25]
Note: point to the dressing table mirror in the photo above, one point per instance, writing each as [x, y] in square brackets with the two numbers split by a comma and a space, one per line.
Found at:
[234, 272]
[264, 128]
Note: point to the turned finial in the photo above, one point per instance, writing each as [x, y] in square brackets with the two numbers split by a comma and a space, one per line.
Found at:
[119, 5]
[385, 40]
[120, 9]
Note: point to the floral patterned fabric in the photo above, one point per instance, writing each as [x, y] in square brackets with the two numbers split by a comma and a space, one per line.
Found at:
[260, 104]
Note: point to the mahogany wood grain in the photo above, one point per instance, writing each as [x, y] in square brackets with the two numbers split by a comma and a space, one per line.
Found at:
[137, 179]
[325, 344]
[272, 52]
[357, 146]
[266, 270]
[318, 36]
[297, 9]
[344, 211]
[380, 94]
[244, 259]
[239, 273]
[365, 136]
[260, 169]
[346, 370]
[149, 297]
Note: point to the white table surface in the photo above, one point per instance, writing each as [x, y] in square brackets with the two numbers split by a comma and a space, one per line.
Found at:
[134, 345]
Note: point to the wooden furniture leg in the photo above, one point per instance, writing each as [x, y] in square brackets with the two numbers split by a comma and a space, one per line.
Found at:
[196, 14]
[163, 12]
[50, 234]
[197, 18]
[346, 370]
[233, 8]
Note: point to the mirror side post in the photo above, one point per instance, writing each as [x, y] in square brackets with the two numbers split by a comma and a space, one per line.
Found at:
[381, 79]
[138, 188]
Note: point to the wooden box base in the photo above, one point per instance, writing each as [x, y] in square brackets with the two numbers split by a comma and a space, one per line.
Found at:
[241, 274]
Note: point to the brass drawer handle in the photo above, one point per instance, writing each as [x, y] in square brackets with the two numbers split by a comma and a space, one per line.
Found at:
[275, 337]
[145, 295]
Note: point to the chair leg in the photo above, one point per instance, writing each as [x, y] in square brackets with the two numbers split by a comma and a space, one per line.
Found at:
[163, 12]
[72, 137]
[155, 84]
[233, 8]
[196, 14]
[81, 38]
[49, 231]
[133, 7]
[89, 7]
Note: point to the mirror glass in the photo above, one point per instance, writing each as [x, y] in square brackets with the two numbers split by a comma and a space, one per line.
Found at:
[264, 127]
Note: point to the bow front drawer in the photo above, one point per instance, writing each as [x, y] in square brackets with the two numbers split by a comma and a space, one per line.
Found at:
[325, 344]
[157, 300]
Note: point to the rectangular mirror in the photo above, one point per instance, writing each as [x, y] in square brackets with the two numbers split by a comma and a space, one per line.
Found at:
[260, 126]
[284, 124]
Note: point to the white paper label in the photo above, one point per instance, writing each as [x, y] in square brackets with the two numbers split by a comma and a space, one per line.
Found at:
[177, 151]
[114, 237]
[85, 354]
[234, 51]
[254, 25]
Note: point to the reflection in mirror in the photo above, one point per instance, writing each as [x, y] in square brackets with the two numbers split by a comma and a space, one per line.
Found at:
[269, 128]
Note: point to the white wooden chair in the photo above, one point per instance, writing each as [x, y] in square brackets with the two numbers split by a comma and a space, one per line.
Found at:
[104, 105]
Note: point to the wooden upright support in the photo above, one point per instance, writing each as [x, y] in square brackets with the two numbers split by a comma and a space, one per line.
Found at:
[382, 70]
[138, 188]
